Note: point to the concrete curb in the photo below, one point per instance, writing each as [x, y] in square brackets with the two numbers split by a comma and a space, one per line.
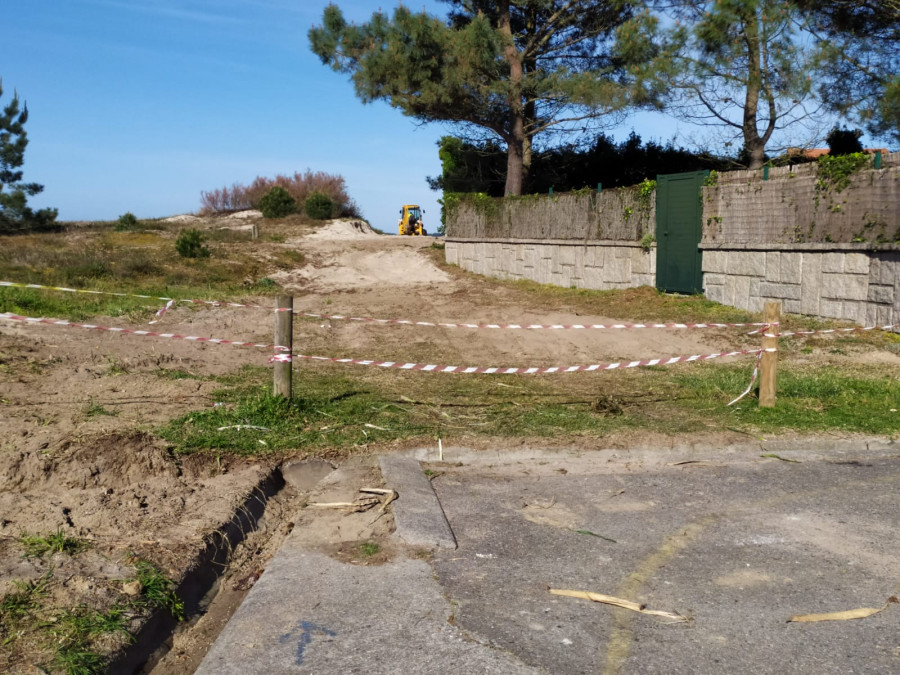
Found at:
[418, 514]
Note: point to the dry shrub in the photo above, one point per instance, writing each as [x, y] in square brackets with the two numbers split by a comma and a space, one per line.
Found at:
[239, 197]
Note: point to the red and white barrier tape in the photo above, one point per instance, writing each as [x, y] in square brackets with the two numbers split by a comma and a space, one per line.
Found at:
[833, 330]
[405, 322]
[142, 333]
[170, 302]
[753, 376]
[288, 358]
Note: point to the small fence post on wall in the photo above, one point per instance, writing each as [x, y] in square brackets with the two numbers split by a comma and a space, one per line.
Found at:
[768, 365]
[284, 337]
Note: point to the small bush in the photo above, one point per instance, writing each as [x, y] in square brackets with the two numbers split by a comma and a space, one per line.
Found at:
[277, 203]
[127, 221]
[318, 205]
[189, 244]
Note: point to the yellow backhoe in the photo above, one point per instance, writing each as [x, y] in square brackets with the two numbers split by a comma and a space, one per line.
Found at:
[411, 221]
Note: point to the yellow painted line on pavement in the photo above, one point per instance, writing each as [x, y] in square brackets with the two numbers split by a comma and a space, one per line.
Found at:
[622, 635]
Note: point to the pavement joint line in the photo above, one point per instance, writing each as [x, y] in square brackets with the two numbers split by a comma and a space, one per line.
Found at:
[418, 514]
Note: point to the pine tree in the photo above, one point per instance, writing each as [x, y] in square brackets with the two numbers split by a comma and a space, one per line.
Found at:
[514, 70]
[15, 215]
[744, 67]
[861, 41]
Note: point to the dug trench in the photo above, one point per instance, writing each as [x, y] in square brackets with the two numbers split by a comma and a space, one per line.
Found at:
[211, 588]
[322, 503]
[121, 500]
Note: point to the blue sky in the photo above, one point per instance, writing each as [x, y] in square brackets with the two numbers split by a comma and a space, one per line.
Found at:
[139, 105]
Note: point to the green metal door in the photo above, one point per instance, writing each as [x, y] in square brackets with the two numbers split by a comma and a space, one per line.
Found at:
[679, 214]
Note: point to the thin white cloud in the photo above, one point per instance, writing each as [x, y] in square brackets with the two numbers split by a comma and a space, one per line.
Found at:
[166, 10]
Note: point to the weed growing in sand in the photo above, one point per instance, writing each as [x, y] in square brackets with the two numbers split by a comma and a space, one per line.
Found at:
[36, 545]
[158, 590]
[115, 368]
[369, 548]
[76, 659]
[24, 600]
[73, 632]
[94, 409]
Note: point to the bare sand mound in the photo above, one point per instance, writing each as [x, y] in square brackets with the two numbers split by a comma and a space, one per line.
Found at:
[355, 269]
[348, 255]
[344, 229]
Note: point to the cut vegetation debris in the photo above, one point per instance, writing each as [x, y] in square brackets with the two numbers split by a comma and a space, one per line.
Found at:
[674, 617]
[594, 534]
[847, 615]
[362, 503]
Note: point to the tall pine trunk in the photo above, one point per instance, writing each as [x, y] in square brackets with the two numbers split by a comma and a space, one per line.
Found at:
[757, 87]
[515, 153]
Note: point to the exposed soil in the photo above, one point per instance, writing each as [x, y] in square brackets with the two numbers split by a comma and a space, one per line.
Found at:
[77, 408]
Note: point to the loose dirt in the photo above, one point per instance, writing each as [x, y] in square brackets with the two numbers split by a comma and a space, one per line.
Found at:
[77, 407]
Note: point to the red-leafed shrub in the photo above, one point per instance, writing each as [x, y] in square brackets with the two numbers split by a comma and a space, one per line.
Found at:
[240, 197]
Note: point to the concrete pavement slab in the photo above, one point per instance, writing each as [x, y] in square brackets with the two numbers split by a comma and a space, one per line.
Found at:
[738, 543]
[311, 614]
[736, 538]
[418, 514]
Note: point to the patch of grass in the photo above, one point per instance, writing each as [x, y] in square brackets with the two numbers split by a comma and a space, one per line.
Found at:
[36, 545]
[158, 590]
[369, 548]
[828, 398]
[329, 411]
[75, 640]
[76, 659]
[25, 599]
[287, 259]
[140, 262]
[352, 408]
[74, 631]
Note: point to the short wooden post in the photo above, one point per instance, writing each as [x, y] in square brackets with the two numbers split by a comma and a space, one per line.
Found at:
[768, 366]
[284, 337]
[254, 232]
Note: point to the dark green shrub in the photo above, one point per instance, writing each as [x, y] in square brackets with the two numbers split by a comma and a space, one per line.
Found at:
[277, 203]
[844, 141]
[318, 205]
[189, 244]
[127, 221]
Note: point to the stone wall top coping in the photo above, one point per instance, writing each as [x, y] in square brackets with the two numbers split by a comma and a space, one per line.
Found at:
[550, 242]
[829, 247]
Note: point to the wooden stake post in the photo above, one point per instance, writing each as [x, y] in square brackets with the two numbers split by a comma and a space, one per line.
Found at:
[284, 337]
[768, 366]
